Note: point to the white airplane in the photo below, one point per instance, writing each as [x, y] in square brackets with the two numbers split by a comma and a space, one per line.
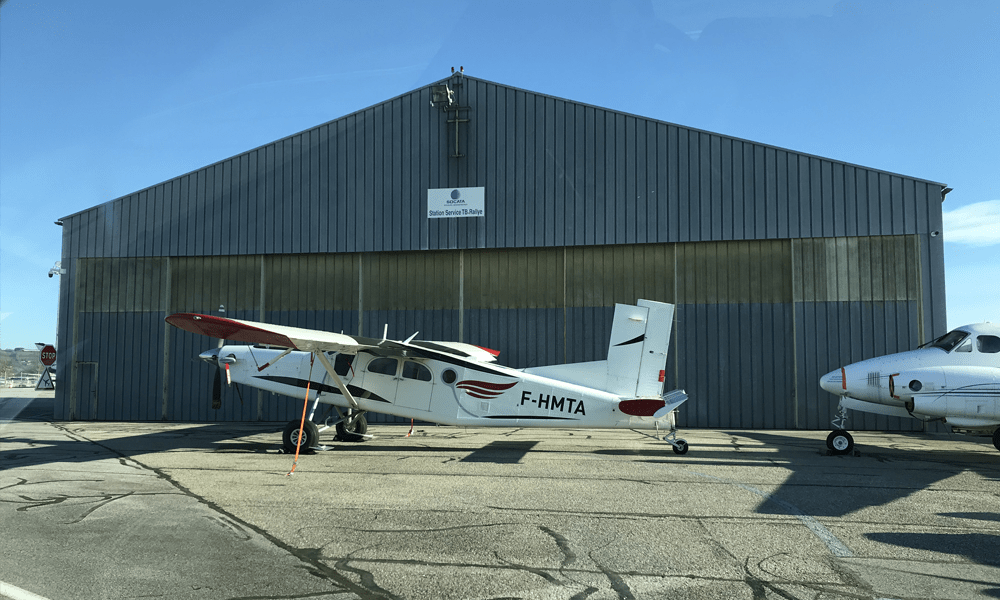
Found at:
[954, 379]
[451, 383]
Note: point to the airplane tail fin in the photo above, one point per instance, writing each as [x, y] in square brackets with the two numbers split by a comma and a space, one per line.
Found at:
[637, 352]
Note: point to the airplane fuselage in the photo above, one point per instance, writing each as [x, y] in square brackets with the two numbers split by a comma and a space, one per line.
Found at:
[451, 393]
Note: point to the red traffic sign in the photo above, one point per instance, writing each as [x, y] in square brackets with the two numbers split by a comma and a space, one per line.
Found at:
[48, 355]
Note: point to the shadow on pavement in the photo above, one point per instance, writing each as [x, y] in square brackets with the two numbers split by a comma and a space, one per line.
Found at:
[877, 477]
[26, 407]
[502, 452]
[62, 444]
[982, 548]
[976, 516]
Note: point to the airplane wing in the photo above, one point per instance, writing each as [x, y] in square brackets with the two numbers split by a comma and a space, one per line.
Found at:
[313, 340]
[308, 340]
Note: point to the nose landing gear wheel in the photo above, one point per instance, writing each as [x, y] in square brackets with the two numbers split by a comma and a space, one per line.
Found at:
[680, 447]
[840, 442]
[996, 438]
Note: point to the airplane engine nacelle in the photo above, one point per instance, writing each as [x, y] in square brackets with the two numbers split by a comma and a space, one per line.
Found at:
[952, 392]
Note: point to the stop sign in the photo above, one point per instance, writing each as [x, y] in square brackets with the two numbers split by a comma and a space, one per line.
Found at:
[48, 355]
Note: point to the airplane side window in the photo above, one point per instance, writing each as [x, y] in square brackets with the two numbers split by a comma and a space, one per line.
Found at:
[966, 347]
[342, 366]
[414, 370]
[989, 344]
[383, 366]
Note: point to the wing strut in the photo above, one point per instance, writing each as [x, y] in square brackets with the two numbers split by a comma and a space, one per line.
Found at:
[269, 363]
[336, 378]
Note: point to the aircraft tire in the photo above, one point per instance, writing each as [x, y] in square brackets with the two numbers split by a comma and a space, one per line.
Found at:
[996, 438]
[290, 435]
[840, 442]
[357, 431]
[680, 447]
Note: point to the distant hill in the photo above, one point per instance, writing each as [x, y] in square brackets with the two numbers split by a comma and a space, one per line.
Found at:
[15, 361]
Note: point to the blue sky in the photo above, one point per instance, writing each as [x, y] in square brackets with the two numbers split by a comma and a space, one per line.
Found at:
[100, 99]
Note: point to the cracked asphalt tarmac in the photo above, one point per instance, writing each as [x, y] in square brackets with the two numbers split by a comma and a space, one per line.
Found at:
[128, 510]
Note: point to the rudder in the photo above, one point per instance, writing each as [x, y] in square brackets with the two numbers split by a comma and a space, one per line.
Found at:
[637, 351]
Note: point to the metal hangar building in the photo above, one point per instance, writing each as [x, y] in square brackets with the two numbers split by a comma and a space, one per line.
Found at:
[783, 265]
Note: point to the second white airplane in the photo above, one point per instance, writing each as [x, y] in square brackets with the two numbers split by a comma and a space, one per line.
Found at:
[954, 379]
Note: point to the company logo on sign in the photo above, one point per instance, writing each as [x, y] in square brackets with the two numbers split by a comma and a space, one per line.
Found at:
[456, 202]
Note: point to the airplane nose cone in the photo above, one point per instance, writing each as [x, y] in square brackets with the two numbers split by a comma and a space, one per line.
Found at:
[833, 382]
[210, 356]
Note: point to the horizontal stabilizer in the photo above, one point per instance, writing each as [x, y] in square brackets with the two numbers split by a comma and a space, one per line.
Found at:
[653, 407]
[671, 400]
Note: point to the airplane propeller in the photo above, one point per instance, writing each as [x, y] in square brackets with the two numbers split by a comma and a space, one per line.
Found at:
[212, 357]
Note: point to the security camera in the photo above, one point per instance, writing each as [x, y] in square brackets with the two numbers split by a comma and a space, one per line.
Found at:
[50, 274]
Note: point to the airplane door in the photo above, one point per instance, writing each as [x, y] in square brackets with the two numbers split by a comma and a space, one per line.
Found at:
[416, 386]
[381, 378]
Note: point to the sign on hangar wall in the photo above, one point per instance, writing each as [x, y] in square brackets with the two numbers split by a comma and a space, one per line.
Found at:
[447, 203]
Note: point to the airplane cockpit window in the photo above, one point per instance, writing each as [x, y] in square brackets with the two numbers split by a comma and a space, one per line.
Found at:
[383, 366]
[989, 344]
[948, 341]
[415, 370]
[965, 347]
[342, 366]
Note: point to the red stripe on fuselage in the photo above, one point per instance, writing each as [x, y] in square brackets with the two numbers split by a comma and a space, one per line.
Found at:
[485, 385]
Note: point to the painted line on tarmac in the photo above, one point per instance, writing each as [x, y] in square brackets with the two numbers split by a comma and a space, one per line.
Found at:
[15, 593]
[836, 547]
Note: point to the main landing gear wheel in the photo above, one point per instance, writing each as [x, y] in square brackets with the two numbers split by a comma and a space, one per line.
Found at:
[355, 431]
[996, 438]
[289, 437]
[840, 442]
[680, 447]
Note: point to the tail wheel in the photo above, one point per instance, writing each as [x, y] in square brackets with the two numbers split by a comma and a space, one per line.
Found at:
[355, 431]
[996, 438]
[290, 437]
[680, 447]
[840, 442]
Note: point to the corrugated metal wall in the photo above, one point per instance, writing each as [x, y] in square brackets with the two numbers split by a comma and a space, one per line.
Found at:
[751, 338]
[784, 265]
